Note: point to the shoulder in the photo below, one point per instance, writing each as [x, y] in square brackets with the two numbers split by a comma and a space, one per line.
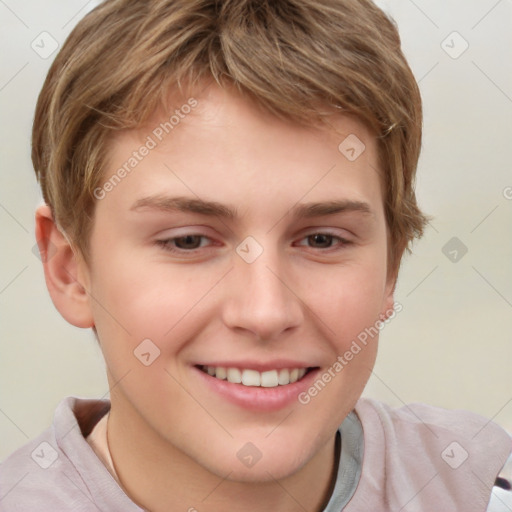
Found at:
[48, 472]
[38, 476]
[420, 414]
[434, 425]
[450, 457]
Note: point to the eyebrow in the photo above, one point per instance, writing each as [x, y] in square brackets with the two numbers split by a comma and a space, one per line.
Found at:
[215, 209]
[185, 204]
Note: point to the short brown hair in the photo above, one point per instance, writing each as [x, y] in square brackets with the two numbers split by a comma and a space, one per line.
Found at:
[293, 57]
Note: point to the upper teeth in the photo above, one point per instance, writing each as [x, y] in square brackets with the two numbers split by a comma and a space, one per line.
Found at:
[269, 379]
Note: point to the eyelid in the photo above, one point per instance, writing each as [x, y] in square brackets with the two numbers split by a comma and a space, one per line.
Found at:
[189, 233]
[344, 235]
[166, 244]
[341, 241]
[183, 230]
[186, 230]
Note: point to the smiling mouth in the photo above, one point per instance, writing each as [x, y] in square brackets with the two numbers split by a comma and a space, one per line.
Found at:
[253, 378]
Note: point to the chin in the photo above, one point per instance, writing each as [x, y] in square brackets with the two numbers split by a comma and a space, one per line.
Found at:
[263, 472]
[260, 462]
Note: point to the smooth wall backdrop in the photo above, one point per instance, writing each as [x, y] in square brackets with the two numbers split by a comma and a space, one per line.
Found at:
[451, 344]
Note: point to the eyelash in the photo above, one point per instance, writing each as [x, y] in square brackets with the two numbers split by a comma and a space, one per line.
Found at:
[166, 244]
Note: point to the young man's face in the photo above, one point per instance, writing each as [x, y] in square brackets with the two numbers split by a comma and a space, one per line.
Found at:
[246, 243]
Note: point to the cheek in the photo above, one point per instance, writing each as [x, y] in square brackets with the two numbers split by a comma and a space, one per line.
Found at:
[348, 310]
[136, 299]
[348, 300]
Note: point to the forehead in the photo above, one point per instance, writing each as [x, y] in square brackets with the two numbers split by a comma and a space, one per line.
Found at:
[218, 145]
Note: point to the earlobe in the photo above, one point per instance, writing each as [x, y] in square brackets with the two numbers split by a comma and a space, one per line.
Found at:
[64, 271]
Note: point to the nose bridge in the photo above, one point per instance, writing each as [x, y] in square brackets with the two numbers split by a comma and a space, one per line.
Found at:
[260, 300]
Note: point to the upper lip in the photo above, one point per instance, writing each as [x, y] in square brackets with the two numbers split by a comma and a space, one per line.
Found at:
[280, 364]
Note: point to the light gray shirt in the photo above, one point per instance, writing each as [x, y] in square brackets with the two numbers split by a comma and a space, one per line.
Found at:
[60, 471]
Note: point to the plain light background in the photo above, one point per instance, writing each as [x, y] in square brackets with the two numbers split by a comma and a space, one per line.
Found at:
[451, 345]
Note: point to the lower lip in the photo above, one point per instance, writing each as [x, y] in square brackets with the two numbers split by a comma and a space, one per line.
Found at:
[258, 398]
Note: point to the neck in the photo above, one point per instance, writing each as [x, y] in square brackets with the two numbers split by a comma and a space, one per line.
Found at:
[159, 477]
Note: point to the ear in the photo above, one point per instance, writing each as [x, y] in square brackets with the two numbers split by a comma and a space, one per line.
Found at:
[65, 272]
[388, 303]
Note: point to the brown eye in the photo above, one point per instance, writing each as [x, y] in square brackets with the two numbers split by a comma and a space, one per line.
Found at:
[324, 242]
[321, 240]
[188, 241]
[184, 244]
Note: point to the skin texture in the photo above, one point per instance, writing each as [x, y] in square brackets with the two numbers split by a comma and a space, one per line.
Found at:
[173, 441]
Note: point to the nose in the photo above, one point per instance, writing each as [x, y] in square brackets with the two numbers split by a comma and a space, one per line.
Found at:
[260, 298]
